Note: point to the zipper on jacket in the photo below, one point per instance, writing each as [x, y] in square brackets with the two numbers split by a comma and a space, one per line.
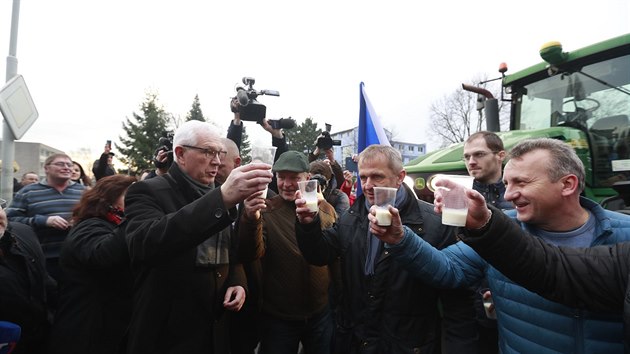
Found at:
[578, 325]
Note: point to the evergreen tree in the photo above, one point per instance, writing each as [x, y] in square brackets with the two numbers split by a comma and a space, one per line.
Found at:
[302, 137]
[246, 148]
[195, 112]
[142, 134]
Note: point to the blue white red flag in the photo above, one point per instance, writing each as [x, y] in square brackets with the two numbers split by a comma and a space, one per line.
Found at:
[370, 128]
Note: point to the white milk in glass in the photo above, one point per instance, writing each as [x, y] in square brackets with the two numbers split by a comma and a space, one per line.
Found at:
[383, 216]
[454, 217]
[311, 205]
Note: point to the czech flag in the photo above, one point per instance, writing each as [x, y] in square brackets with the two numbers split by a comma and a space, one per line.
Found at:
[370, 128]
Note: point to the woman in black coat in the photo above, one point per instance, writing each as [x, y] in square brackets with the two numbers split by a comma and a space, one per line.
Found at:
[95, 295]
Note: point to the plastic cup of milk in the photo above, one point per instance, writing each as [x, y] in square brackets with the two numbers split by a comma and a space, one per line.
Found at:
[264, 154]
[455, 207]
[309, 193]
[383, 198]
[487, 302]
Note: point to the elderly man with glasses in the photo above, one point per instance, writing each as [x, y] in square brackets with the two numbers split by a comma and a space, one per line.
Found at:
[47, 206]
[185, 270]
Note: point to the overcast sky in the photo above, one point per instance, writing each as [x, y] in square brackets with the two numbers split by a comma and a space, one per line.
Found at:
[89, 64]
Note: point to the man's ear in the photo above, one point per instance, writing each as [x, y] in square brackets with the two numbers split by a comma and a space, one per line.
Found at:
[178, 153]
[237, 161]
[401, 177]
[570, 184]
[502, 154]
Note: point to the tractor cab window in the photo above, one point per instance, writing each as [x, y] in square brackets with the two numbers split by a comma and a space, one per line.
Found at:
[594, 99]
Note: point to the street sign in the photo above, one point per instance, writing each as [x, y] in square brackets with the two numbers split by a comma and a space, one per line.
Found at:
[17, 106]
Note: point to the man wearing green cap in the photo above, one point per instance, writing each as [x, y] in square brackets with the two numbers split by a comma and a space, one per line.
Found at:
[294, 293]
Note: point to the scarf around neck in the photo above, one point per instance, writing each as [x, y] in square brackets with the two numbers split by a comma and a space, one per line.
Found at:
[215, 249]
[373, 243]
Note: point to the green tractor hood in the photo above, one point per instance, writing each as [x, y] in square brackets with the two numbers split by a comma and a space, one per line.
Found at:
[449, 159]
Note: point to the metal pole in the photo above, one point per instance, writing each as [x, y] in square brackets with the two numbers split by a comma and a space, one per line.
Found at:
[8, 140]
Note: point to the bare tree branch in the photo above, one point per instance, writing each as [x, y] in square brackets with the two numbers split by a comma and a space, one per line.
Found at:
[455, 117]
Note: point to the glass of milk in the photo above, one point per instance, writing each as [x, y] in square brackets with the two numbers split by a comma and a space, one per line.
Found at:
[383, 198]
[487, 302]
[264, 154]
[309, 193]
[455, 207]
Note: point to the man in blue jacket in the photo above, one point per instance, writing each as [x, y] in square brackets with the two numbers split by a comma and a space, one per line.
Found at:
[544, 179]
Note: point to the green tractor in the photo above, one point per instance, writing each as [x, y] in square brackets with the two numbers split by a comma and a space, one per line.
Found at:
[581, 97]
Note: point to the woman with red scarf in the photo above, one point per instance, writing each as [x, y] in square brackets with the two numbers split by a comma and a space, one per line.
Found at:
[95, 292]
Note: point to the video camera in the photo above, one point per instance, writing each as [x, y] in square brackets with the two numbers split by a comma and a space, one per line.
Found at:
[250, 109]
[325, 142]
[165, 143]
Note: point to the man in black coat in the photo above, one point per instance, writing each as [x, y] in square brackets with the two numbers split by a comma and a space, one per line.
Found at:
[383, 308]
[179, 244]
[104, 167]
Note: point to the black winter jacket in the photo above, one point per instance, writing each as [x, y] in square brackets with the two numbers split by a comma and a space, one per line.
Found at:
[175, 302]
[390, 311]
[95, 293]
[24, 287]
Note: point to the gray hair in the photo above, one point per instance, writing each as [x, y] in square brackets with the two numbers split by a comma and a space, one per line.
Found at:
[392, 155]
[563, 159]
[189, 132]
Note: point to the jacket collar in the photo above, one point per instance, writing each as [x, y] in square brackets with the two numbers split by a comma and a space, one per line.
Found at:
[603, 226]
[183, 183]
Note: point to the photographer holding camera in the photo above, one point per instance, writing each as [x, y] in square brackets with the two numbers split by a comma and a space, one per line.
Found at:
[246, 108]
[322, 172]
[324, 143]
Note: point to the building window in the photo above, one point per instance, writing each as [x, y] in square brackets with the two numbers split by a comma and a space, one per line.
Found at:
[411, 148]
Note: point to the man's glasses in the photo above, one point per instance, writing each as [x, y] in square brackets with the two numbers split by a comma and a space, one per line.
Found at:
[478, 155]
[62, 164]
[209, 153]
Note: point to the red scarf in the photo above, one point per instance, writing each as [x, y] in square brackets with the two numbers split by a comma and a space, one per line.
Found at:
[115, 215]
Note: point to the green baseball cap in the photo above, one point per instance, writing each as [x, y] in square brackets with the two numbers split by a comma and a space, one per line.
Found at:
[293, 161]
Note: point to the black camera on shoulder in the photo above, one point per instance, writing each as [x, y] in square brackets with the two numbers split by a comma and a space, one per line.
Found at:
[250, 109]
[165, 143]
[325, 142]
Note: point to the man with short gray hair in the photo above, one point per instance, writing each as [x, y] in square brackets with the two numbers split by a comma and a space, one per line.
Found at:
[178, 235]
[383, 307]
[544, 180]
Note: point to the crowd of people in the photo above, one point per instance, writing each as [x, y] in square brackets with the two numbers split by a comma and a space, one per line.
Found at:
[195, 258]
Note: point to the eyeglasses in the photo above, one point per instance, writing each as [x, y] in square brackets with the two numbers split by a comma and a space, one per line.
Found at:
[209, 153]
[62, 164]
[478, 155]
